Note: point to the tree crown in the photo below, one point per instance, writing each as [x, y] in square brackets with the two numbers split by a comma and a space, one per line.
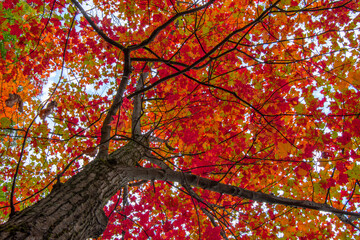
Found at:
[261, 95]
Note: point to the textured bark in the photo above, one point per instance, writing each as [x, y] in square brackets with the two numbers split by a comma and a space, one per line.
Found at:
[204, 183]
[115, 106]
[75, 210]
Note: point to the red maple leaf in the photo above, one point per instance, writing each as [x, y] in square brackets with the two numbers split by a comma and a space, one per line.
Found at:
[343, 178]
[329, 183]
[9, 4]
[15, 30]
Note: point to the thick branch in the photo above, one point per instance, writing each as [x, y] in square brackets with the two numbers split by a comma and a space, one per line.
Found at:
[136, 115]
[193, 180]
[156, 161]
[106, 128]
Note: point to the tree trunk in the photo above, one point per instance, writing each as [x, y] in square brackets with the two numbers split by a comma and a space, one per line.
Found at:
[75, 210]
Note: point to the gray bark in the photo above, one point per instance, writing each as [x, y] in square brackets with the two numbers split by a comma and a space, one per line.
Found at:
[75, 210]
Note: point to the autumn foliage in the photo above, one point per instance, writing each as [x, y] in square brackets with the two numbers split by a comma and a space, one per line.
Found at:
[261, 95]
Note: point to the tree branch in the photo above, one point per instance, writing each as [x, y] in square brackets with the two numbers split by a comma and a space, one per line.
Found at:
[96, 28]
[137, 59]
[167, 23]
[137, 112]
[106, 128]
[262, 16]
[207, 184]
[157, 162]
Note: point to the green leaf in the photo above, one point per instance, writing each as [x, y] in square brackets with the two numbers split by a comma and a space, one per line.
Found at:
[5, 122]
[300, 108]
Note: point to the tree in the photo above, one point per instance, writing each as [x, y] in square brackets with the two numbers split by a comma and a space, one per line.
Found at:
[199, 119]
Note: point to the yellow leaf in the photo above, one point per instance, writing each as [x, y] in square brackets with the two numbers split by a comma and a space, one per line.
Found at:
[302, 172]
[217, 118]
[323, 162]
[92, 34]
[167, 87]
[354, 77]
[283, 149]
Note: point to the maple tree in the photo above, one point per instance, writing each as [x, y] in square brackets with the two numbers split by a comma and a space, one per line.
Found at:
[197, 119]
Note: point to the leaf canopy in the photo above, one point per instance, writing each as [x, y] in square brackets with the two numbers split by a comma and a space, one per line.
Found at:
[262, 95]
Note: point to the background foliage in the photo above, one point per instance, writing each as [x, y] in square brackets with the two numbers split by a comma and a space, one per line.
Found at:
[262, 95]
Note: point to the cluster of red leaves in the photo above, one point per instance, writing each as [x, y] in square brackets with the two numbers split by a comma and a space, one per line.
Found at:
[273, 108]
